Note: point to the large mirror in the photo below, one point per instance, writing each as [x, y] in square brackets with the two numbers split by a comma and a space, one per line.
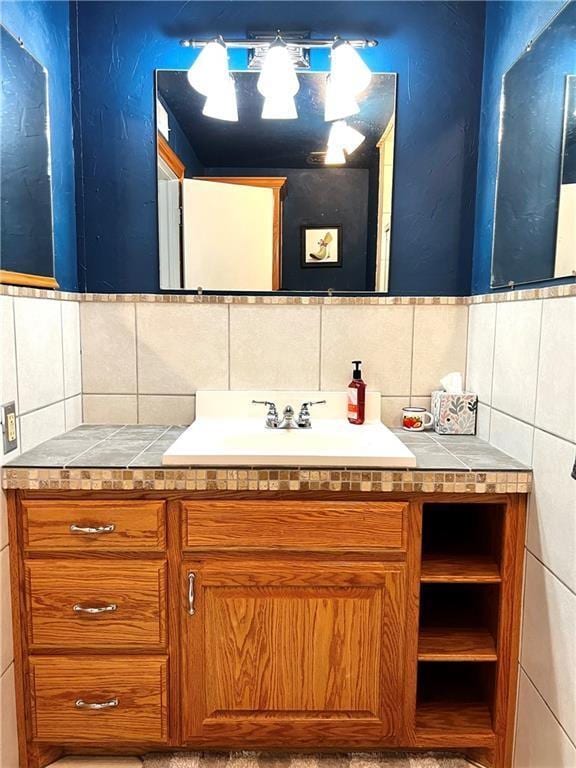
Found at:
[535, 214]
[253, 205]
[26, 241]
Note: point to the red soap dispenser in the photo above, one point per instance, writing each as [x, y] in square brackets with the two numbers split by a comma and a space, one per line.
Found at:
[356, 395]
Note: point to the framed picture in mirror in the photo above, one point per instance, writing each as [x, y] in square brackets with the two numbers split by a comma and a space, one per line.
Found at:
[321, 246]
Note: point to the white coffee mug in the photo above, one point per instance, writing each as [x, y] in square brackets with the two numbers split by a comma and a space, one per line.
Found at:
[416, 419]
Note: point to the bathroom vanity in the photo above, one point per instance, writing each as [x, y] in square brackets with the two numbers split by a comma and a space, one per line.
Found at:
[158, 608]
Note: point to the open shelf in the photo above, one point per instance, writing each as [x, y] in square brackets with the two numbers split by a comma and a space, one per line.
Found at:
[456, 644]
[454, 702]
[462, 542]
[458, 622]
[481, 569]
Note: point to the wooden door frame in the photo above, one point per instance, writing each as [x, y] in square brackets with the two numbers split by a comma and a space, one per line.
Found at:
[277, 185]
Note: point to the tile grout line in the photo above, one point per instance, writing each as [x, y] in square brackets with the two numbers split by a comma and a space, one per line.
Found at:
[528, 424]
[128, 465]
[66, 464]
[537, 381]
[320, 349]
[494, 336]
[63, 365]
[136, 364]
[533, 684]
[412, 341]
[550, 571]
[229, 346]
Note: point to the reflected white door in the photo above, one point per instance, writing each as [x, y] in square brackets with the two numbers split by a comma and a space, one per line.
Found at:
[169, 227]
[228, 236]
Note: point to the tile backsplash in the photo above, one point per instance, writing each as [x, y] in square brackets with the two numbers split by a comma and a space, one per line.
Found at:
[144, 362]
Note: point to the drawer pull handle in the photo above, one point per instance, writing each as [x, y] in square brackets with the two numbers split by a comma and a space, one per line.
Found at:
[95, 609]
[81, 704]
[89, 529]
[191, 595]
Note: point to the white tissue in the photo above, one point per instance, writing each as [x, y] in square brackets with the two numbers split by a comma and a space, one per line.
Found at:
[452, 383]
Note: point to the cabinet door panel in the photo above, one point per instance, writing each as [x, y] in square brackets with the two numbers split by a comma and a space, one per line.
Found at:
[294, 653]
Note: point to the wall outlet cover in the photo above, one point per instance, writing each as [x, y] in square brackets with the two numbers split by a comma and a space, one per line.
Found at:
[9, 431]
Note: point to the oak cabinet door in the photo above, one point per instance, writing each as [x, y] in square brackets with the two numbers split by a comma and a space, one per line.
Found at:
[293, 653]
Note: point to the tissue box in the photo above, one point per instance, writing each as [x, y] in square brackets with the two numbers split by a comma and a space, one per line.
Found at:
[454, 414]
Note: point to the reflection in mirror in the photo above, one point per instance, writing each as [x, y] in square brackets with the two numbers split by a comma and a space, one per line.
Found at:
[254, 205]
[566, 236]
[26, 244]
[535, 214]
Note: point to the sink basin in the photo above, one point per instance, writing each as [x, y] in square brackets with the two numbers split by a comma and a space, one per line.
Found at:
[229, 430]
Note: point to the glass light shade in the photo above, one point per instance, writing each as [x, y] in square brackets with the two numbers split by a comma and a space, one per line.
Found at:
[339, 102]
[278, 74]
[279, 107]
[348, 70]
[342, 136]
[221, 102]
[334, 156]
[209, 69]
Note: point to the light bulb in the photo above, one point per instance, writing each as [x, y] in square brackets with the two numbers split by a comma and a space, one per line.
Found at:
[221, 102]
[343, 137]
[348, 70]
[278, 75]
[334, 156]
[280, 106]
[339, 103]
[210, 68]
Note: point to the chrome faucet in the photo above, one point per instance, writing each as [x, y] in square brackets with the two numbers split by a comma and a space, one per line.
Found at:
[288, 421]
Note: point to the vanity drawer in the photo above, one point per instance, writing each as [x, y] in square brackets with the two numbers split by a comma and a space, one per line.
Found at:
[130, 694]
[295, 525]
[98, 526]
[76, 604]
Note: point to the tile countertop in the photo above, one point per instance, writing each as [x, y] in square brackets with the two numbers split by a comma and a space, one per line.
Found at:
[97, 457]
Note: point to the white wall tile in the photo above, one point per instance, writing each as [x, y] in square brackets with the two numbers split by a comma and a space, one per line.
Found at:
[110, 409]
[548, 641]
[540, 741]
[392, 410]
[274, 347]
[9, 738]
[71, 346]
[166, 409]
[556, 401]
[516, 358]
[39, 352]
[6, 650]
[483, 422]
[379, 336]
[41, 425]
[512, 436]
[182, 348]
[108, 347]
[8, 388]
[552, 507]
[439, 345]
[73, 412]
[479, 369]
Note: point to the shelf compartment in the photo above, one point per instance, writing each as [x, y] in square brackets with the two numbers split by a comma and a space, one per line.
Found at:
[462, 541]
[459, 569]
[455, 703]
[456, 644]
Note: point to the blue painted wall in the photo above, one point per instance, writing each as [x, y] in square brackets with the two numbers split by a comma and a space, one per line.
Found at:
[509, 27]
[436, 48]
[44, 28]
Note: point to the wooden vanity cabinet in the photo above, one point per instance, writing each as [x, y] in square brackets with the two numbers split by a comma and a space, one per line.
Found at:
[343, 621]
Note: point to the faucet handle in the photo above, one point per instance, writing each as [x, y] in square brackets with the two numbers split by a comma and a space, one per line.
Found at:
[272, 415]
[304, 415]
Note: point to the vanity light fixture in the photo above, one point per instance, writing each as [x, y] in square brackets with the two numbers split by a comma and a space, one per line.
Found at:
[348, 71]
[343, 140]
[278, 83]
[334, 156]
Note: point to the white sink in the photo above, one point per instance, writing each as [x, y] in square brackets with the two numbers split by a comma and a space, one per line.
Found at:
[229, 430]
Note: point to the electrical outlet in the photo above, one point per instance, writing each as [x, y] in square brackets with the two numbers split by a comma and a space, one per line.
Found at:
[9, 433]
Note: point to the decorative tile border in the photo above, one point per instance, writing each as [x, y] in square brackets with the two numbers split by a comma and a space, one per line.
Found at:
[554, 291]
[287, 479]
